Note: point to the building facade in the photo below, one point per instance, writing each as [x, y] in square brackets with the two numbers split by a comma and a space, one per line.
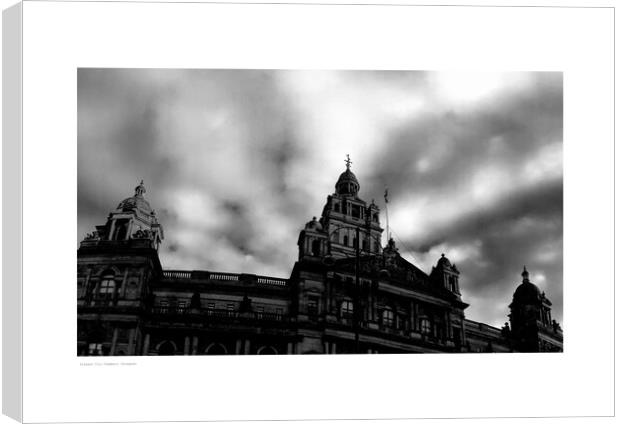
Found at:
[347, 293]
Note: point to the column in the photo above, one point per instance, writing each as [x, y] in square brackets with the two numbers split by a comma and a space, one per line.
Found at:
[195, 345]
[124, 283]
[334, 347]
[84, 292]
[129, 230]
[112, 226]
[325, 347]
[289, 348]
[132, 341]
[187, 346]
[147, 340]
[246, 349]
[114, 339]
[238, 345]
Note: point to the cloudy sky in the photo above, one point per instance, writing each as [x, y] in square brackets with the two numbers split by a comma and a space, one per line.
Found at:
[236, 161]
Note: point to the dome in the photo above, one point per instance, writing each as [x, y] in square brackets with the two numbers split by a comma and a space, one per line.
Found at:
[443, 262]
[527, 292]
[314, 225]
[347, 183]
[137, 201]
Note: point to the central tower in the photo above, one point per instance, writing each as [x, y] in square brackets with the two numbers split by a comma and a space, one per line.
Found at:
[344, 216]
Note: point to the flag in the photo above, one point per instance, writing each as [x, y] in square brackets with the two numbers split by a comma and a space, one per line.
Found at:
[385, 195]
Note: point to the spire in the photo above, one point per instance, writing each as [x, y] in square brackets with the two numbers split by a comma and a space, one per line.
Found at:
[140, 189]
[525, 275]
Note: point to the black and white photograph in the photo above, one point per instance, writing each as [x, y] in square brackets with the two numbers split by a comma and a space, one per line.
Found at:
[263, 212]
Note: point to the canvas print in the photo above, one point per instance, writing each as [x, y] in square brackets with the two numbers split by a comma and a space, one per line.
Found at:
[262, 212]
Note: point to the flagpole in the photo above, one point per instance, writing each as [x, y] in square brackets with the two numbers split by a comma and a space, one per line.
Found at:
[387, 216]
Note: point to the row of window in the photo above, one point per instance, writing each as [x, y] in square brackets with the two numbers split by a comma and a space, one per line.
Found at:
[356, 211]
[352, 242]
[387, 315]
[180, 306]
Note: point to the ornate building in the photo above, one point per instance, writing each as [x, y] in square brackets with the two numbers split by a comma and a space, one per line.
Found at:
[346, 294]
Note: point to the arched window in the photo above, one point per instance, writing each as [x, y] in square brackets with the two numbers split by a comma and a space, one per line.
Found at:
[107, 286]
[267, 350]
[387, 318]
[346, 309]
[216, 349]
[167, 348]
[425, 326]
[316, 247]
[120, 230]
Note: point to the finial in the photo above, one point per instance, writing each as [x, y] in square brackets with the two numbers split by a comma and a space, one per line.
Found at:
[525, 274]
[140, 189]
[348, 162]
[443, 256]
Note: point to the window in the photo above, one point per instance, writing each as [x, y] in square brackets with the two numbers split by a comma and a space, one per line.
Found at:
[181, 306]
[267, 350]
[216, 349]
[230, 308]
[425, 326]
[120, 229]
[279, 312]
[337, 207]
[316, 248]
[346, 309]
[95, 349]
[375, 217]
[210, 308]
[345, 241]
[387, 317]
[356, 211]
[259, 311]
[163, 306]
[167, 348]
[452, 283]
[107, 287]
[313, 307]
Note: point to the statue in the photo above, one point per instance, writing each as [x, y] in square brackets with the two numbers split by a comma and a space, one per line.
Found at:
[92, 236]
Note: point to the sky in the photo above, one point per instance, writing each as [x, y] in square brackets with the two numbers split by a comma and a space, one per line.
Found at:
[235, 162]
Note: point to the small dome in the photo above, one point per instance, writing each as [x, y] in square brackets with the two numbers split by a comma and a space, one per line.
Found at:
[137, 201]
[443, 262]
[527, 293]
[314, 224]
[347, 183]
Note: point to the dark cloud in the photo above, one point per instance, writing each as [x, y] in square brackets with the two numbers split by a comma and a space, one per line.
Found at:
[236, 161]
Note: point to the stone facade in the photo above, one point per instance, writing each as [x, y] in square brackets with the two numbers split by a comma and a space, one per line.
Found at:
[346, 294]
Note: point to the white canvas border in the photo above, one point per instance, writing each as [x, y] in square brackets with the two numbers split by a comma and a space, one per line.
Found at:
[68, 35]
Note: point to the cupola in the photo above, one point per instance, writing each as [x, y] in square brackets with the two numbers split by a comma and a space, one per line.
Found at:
[347, 182]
